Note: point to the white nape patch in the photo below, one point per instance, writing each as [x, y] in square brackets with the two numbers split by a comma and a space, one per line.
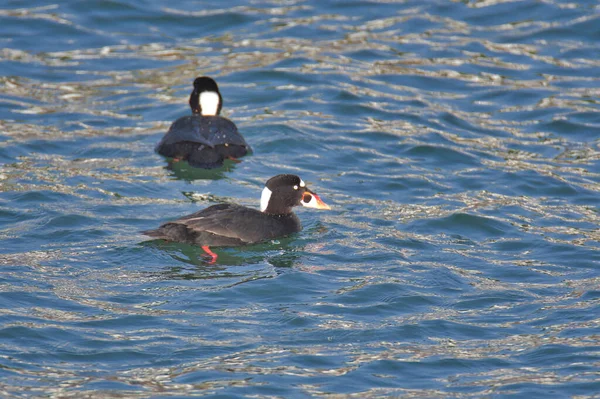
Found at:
[209, 102]
[302, 184]
[264, 199]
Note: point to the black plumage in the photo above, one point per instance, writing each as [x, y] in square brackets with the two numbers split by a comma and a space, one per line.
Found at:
[227, 225]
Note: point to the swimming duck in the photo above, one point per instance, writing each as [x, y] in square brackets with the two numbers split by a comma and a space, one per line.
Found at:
[234, 225]
[204, 139]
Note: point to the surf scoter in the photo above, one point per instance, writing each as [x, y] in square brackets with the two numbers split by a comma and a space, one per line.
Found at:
[204, 139]
[234, 225]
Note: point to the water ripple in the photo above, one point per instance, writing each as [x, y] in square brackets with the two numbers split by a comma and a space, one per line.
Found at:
[455, 141]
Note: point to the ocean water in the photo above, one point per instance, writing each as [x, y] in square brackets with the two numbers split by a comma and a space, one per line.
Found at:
[456, 141]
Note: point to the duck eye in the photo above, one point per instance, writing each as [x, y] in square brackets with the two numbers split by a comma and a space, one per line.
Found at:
[307, 198]
[295, 187]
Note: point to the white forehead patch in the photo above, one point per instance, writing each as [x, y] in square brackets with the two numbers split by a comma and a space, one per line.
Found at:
[264, 199]
[209, 102]
[302, 184]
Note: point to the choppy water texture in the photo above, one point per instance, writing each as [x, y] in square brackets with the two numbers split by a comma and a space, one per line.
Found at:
[457, 142]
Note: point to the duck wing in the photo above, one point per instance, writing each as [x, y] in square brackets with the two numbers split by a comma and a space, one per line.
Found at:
[219, 131]
[187, 129]
[229, 221]
[227, 225]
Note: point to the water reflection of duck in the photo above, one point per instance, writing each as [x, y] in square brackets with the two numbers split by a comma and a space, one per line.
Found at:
[204, 139]
[185, 171]
[190, 260]
[226, 225]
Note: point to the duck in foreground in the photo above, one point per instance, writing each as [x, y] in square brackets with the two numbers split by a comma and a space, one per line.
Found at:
[204, 139]
[226, 225]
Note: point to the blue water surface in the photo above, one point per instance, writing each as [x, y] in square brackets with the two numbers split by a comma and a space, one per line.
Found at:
[457, 143]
